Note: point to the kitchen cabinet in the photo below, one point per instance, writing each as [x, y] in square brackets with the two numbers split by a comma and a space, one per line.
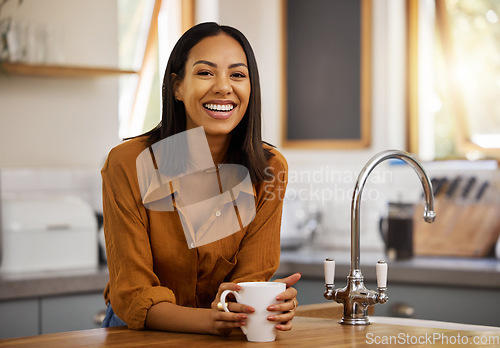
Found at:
[462, 305]
[51, 301]
[19, 318]
[462, 290]
[43, 315]
[68, 313]
[443, 303]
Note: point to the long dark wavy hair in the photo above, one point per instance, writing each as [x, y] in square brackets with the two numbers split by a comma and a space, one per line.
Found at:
[246, 146]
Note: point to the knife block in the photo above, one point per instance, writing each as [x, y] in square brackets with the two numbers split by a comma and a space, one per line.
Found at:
[461, 230]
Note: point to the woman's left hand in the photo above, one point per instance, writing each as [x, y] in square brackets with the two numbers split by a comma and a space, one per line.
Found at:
[286, 310]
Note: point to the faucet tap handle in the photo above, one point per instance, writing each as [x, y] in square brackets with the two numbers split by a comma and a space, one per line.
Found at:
[329, 265]
[381, 270]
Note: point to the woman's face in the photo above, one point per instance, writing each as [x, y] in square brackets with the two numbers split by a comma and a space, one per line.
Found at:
[216, 85]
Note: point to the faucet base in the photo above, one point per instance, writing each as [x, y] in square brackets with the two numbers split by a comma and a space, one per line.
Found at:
[355, 321]
[355, 298]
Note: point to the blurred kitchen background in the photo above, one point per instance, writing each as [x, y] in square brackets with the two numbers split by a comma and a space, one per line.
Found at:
[78, 76]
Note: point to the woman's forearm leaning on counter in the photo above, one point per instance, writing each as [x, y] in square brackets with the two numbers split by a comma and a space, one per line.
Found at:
[166, 316]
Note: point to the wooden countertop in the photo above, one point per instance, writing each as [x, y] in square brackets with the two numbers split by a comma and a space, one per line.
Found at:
[307, 332]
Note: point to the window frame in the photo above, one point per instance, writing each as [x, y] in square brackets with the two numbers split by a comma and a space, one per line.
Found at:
[464, 146]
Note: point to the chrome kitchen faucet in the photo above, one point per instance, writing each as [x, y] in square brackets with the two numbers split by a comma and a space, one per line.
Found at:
[355, 297]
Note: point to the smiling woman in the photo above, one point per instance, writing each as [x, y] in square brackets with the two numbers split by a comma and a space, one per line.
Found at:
[158, 278]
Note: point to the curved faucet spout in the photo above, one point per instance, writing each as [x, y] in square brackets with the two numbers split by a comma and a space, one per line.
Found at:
[429, 213]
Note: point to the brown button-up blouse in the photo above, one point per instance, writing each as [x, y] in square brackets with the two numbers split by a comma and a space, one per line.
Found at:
[149, 260]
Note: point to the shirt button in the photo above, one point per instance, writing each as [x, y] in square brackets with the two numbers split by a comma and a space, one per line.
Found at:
[192, 245]
[217, 213]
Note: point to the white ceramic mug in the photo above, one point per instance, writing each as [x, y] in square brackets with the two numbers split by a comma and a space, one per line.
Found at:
[258, 295]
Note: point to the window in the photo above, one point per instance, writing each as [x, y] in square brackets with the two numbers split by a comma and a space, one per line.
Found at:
[458, 73]
[148, 30]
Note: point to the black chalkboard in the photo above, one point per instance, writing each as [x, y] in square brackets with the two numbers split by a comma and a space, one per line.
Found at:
[324, 73]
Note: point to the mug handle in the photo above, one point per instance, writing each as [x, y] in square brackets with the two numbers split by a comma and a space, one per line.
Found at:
[224, 304]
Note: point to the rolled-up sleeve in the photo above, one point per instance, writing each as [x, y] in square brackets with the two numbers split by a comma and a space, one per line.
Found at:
[133, 285]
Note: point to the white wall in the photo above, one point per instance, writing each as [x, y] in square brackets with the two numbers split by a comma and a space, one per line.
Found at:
[63, 122]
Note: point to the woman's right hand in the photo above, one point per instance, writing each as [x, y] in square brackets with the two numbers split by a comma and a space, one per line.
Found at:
[223, 322]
